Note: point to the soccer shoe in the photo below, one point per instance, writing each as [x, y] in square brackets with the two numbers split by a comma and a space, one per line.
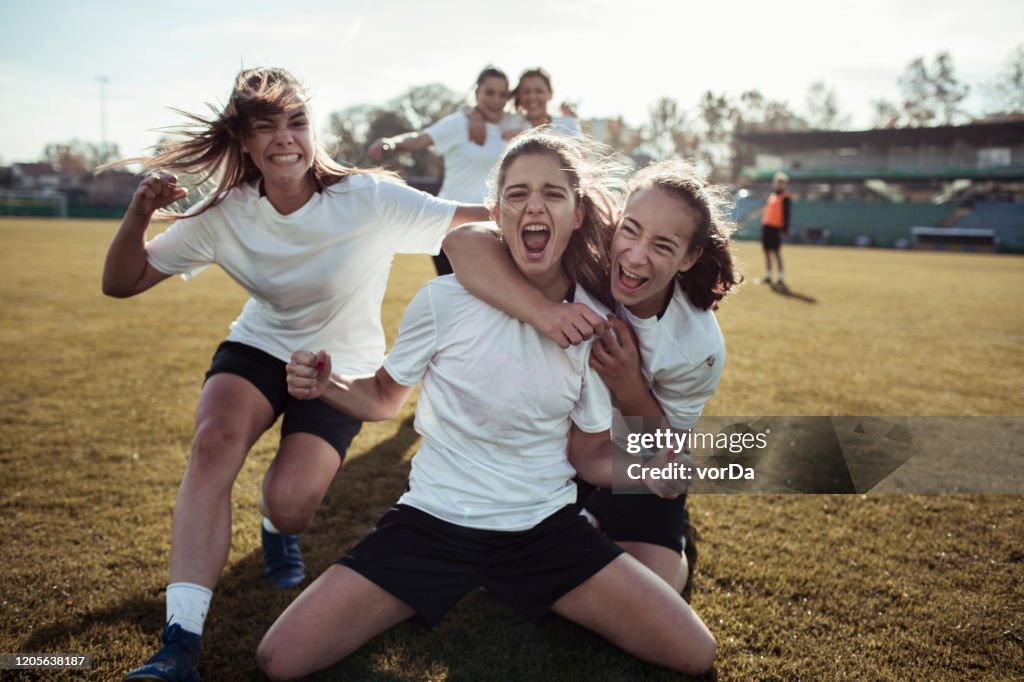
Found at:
[282, 560]
[690, 552]
[177, 660]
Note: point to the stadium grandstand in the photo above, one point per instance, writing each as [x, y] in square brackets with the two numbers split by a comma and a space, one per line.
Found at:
[941, 188]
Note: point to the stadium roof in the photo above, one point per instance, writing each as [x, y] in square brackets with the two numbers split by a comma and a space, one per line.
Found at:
[1004, 133]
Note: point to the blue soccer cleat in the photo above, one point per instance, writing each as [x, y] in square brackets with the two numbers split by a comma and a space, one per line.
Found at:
[282, 560]
[177, 660]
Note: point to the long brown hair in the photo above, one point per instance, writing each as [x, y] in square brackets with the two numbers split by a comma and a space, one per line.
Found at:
[714, 274]
[211, 150]
[598, 187]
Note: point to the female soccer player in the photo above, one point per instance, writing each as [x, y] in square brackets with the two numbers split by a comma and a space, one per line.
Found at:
[670, 263]
[466, 163]
[491, 498]
[312, 243]
[532, 95]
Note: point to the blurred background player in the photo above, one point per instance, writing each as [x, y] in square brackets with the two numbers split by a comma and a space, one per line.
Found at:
[466, 163]
[775, 223]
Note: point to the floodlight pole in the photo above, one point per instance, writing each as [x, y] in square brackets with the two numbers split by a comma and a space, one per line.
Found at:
[103, 80]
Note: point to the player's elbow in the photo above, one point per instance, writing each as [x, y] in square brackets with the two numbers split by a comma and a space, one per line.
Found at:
[382, 411]
[114, 290]
[388, 398]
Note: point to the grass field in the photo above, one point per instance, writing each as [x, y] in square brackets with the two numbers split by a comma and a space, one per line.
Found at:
[99, 396]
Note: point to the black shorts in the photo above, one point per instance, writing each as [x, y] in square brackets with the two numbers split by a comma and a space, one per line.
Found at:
[641, 518]
[442, 264]
[431, 564]
[771, 238]
[267, 373]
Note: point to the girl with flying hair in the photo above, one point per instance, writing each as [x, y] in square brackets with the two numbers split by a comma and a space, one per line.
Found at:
[662, 355]
[312, 243]
[507, 419]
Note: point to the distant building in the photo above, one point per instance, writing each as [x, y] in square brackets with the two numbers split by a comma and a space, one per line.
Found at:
[942, 188]
[113, 188]
[918, 161]
[35, 176]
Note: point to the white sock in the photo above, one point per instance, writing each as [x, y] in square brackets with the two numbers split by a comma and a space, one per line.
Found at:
[780, 275]
[768, 276]
[269, 527]
[187, 604]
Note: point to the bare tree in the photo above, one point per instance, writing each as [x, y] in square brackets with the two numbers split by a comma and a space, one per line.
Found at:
[915, 86]
[717, 118]
[1006, 93]
[886, 114]
[349, 130]
[76, 158]
[947, 91]
[422, 105]
[931, 95]
[666, 133]
[823, 108]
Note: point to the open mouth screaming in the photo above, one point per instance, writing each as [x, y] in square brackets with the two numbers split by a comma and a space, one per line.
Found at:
[629, 280]
[535, 240]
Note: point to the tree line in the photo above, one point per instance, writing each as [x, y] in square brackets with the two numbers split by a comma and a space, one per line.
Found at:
[930, 94]
[709, 132]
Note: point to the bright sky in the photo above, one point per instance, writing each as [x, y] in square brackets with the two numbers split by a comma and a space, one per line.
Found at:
[608, 56]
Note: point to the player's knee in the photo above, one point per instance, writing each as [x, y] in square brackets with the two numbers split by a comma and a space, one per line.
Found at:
[217, 452]
[291, 510]
[273, 667]
[700, 657]
[214, 444]
[287, 518]
[682, 572]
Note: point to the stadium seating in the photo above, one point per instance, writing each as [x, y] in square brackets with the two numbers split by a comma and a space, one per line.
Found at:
[1005, 217]
[883, 223]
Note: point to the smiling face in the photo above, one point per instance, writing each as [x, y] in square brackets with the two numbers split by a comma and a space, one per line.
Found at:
[650, 245]
[533, 95]
[281, 146]
[537, 211]
[491, 97]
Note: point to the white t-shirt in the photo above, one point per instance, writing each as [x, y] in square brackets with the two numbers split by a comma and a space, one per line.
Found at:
[466, 164]
[683, 355]
[317, 276]
[494, 410]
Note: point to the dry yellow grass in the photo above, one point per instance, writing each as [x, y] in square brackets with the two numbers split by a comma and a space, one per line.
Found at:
[99, 396]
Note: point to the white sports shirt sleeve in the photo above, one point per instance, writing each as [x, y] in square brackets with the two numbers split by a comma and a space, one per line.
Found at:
[404, 211]
[416, 343]
[185, 248]
[448, 132]
[683, 393]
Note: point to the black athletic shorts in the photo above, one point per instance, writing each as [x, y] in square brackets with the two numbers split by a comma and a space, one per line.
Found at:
[431, 564]
[771, 238]
[640, 518]
[442, 264]
[267, 373]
